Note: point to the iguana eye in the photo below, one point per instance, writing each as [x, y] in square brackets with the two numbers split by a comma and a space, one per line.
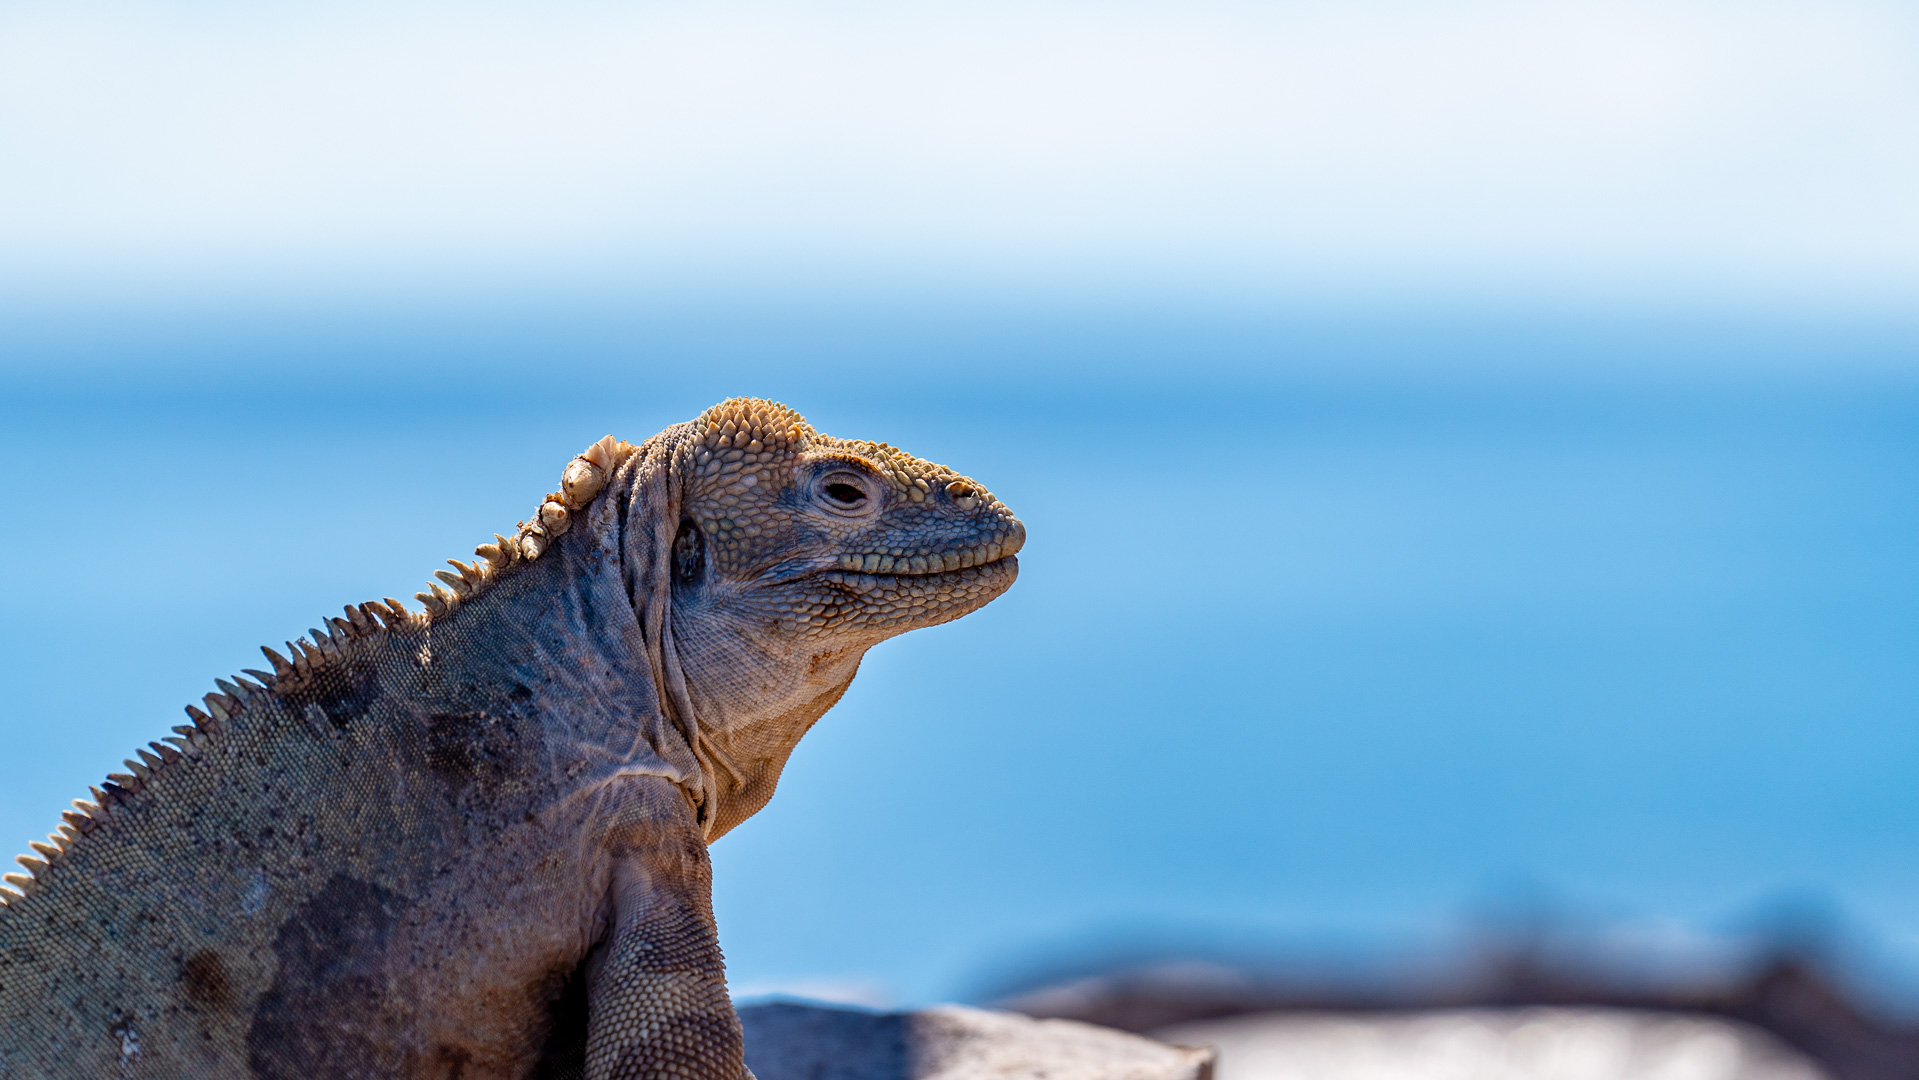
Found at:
[846, 493]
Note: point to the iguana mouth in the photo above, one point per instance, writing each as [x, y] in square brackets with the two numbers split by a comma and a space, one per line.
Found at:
[861, 577]
[920, 564]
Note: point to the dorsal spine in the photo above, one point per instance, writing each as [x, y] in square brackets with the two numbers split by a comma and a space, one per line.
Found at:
[580, 483]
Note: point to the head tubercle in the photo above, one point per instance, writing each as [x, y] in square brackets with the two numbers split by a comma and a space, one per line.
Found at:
[744, 436]
[752, 426]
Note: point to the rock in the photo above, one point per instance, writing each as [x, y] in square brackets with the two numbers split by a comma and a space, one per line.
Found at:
[952, 1042]
[1494, 1044]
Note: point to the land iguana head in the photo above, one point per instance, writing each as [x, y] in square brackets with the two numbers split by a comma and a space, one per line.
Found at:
[792, 554]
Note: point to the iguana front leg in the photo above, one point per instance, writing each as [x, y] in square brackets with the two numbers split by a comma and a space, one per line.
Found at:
[656, 987]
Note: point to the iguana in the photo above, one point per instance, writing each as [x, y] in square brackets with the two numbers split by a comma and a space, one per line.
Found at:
[470, 842]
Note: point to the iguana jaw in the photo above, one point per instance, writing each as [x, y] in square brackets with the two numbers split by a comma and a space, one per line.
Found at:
[992, 548]
[913, 584]
[895, 603]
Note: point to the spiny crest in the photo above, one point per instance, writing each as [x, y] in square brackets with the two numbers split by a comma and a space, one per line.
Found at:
[583, 479]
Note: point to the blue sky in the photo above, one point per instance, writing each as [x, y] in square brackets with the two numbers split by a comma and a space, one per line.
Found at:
[1702, 150]
[1468, 448]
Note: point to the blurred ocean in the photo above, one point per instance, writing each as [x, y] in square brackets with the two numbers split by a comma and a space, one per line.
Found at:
[1331, 629]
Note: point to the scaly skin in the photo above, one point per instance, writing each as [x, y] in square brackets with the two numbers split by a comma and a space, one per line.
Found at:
[471, 843]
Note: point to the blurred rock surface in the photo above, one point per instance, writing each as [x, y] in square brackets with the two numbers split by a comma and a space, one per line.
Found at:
[952, 1042]
[1793, 997]
[1493, 1044]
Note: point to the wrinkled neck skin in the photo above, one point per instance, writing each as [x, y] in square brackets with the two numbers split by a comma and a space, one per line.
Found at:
[753, 700]
[568, 629]
[618, 694]
[735, 700]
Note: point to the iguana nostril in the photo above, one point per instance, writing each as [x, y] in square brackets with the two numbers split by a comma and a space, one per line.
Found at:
[964, 495]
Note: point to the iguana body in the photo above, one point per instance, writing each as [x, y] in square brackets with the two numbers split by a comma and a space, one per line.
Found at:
[471, 843]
